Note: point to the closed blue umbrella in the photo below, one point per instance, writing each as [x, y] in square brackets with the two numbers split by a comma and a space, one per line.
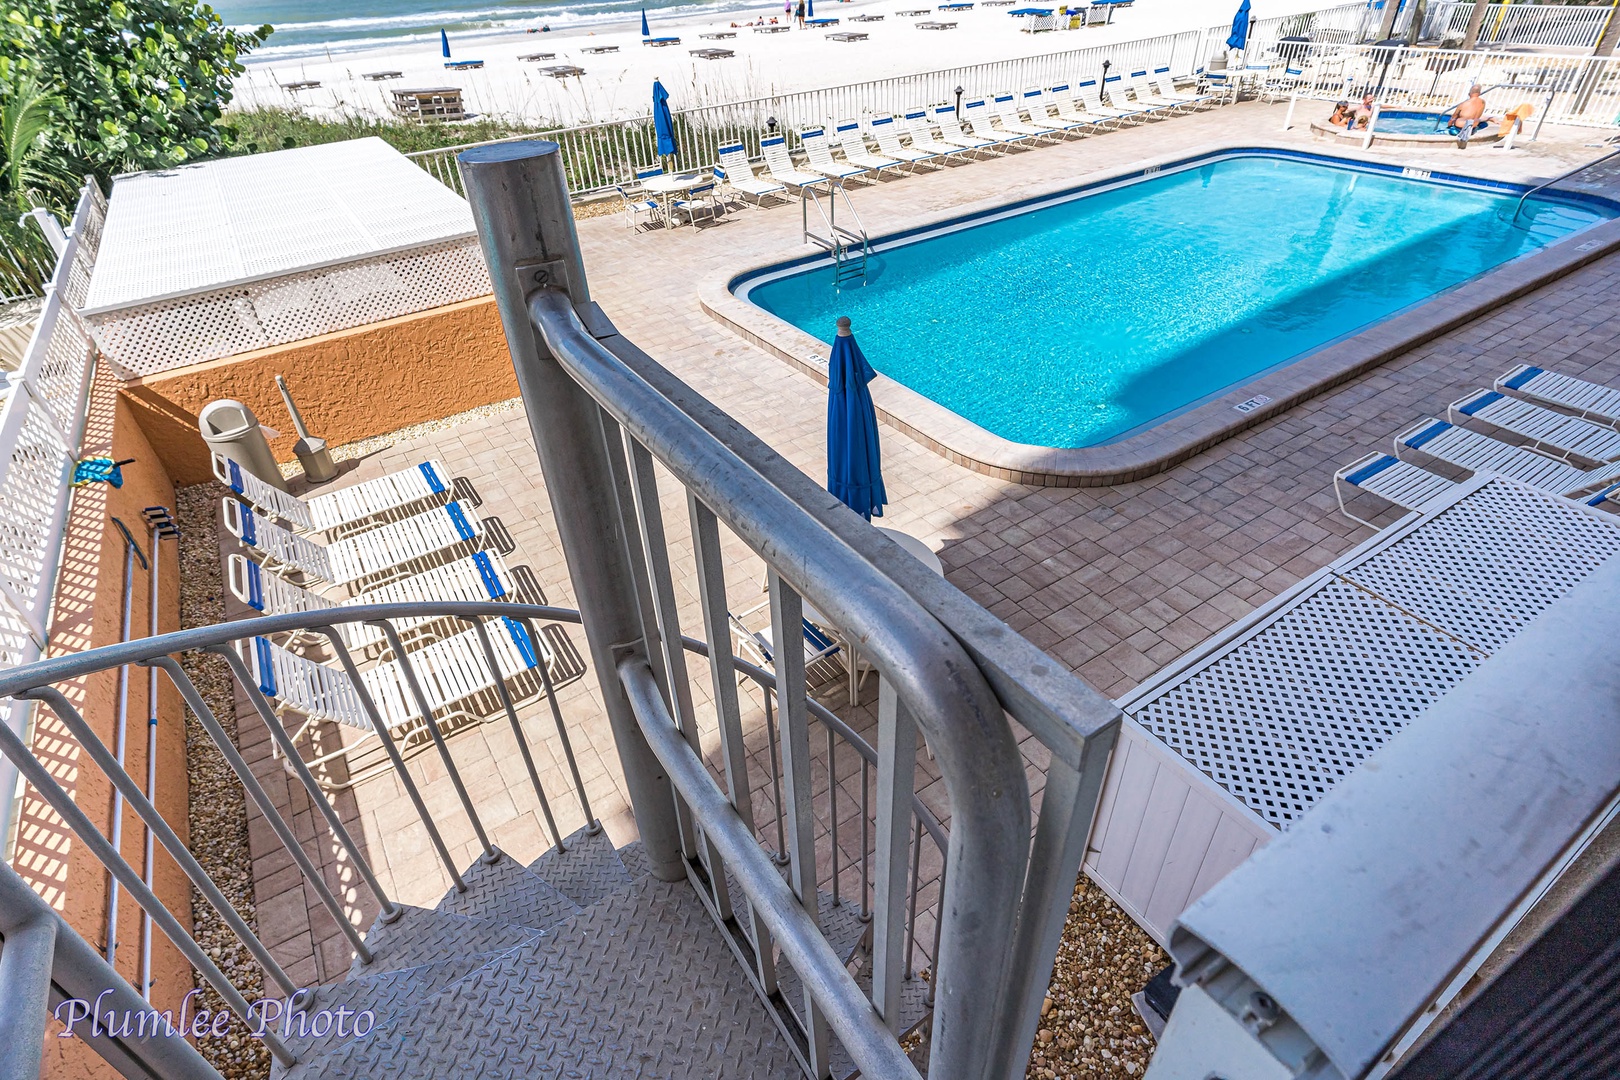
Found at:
[663, 122]
[1239, 38]
[644, 31]
[810, 9]
[854, 460]
[444, 43]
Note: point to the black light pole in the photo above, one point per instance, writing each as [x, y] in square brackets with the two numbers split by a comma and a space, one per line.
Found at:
[959, 103]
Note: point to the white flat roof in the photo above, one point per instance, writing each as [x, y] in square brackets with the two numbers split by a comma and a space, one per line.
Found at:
[206, 226]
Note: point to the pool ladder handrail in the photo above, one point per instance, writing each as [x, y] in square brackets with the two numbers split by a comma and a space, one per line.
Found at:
[848, 248]
[1560, 178]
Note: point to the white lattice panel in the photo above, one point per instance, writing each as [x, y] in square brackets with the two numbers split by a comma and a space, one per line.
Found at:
[63, 364]
[33, 488]
[275, 311]
[1280, 712]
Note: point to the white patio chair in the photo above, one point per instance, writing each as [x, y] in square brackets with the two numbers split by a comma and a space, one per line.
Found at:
[369, 503]
[1590, 400]
[950, 131]
[886, 133]
[825, 659]
[1390, 479]
[637, 204]
[1091, 95]
[857, 153]
[780, 165]
[736, 172]
[480, 576]
[704, 198]
[818, 155]
[1471, 451]
[1558, 433]
[369, 558]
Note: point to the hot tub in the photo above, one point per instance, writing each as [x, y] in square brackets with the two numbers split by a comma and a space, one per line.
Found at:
[1406, 127]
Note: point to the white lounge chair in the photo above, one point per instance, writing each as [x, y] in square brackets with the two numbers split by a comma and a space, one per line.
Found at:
[923, 138]
[1148, 95]
[1469, 450]
[1010, 109]
[359, 504]
[818, 155]
[1391, 480]
[951, 132]
[480, 576]
[1279, 85]
[780, 165]
[886, 133]
[1119, 93]
[1555, 432]
[978, 115]
[857, 153]
[1069, 111]
[1041, 108]
[453, 675]
[1587, 399]
[1091, 94]
[1166, 85]
[368, 558]
[737, 173]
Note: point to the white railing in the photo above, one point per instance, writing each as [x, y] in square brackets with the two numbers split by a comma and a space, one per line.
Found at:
[1576, 90]
[599, 156]
[1564, 26]
[41, 425]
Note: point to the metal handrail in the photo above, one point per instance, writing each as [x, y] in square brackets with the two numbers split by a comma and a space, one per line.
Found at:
[1560, 178]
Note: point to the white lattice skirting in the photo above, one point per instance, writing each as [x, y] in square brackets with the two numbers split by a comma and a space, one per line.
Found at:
[187, 330]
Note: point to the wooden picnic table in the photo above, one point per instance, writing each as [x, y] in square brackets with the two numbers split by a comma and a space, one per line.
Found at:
[874, 18]
[561, 71]
[534, 57]
[936, 26]
[430, 103]
[719, 35]
[848, 36]
[909, 14]
[379, 76]
[778, 29]
[302, 84]
[600, 49]
[712, 54]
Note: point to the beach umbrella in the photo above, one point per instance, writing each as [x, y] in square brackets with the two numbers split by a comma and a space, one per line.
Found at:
[854, 460]
[810, 9]
[444, 43]
[663, 122]
[1239, 38]
[644, 31]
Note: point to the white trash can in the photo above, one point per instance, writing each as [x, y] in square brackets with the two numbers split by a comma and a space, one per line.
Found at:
[232, 431]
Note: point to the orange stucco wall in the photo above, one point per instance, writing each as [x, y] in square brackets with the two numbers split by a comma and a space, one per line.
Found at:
[350, 385]
[86, 615]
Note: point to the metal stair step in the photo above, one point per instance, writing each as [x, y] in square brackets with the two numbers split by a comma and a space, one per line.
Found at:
[421, 936]
[506, 891]
[587, 870]
[634, 857]
[641, 984]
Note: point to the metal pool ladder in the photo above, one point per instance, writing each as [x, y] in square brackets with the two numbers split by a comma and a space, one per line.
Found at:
[849, 248]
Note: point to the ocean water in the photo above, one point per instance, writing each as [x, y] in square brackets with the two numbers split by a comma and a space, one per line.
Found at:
[313, 27]
[1073, 324]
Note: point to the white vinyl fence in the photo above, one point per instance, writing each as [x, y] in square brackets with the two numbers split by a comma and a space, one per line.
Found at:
[1563, 26]
[599, 156]
[41, 425]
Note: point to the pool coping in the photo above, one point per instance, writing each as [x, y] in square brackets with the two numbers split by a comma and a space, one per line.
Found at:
[1182, 435]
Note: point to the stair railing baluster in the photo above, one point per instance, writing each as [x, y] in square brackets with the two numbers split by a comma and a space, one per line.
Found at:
[781, 855]
[832, 810]
[592, 824]
[911, 910]
[164, 833]
[289, 751]
[505, 696]
[408, 669]
[939, 911]
[866, 840]
[896, 783]
[261, 799]
[387, 739]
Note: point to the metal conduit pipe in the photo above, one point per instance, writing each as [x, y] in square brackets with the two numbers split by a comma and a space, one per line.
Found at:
[163, 528]
[132, 551]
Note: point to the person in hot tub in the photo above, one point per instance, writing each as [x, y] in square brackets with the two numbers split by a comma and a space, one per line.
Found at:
[1342, 116]
[1469, 118]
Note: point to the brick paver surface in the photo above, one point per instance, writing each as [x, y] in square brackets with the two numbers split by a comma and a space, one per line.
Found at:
[1114, 582]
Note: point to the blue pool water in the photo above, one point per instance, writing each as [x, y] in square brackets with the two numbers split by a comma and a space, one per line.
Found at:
[1074, 323]
[1412, 123]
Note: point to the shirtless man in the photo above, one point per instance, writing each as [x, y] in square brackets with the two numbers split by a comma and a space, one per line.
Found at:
[1468, 116]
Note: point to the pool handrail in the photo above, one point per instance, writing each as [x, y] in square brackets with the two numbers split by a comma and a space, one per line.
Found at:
[1559, 179]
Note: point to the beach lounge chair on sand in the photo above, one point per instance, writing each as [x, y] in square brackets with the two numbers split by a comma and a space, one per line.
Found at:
[1464, 449]
[1389, 479]
[857, 153]
[781, 168]
[950, 132]
[366, 504]
[1555, 432]
[1069, 111]
[1587, 399]
[818, 155]
[979, 117]
[369, 558]
[1091, 94]
[886, 132]
[480, 576]
[736, 172]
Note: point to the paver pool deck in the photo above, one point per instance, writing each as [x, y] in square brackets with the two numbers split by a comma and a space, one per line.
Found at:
[1113, 581]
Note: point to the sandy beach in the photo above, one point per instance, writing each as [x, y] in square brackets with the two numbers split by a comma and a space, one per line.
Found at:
[616, 84]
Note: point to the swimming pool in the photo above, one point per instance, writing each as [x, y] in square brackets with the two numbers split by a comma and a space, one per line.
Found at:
[1078, 320]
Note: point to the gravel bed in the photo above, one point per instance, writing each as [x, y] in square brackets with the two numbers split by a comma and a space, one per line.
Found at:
[1089, 1028]
[362, 447]
[218, 808]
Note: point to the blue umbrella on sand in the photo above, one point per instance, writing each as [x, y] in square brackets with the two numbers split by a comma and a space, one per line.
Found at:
[810, 9]
[644, 31]
[854, 459]
[444, 43]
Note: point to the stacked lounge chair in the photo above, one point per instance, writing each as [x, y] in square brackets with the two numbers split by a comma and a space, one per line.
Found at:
[359, 506]
[384, 553]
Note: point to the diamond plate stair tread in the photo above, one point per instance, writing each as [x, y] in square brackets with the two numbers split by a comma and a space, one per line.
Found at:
[642, 984]
[634, 857]
[422, 937]
[588, 870]
[383, 993]
[508, 892]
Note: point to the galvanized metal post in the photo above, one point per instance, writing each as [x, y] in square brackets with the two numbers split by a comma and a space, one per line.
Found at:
[525, 224]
